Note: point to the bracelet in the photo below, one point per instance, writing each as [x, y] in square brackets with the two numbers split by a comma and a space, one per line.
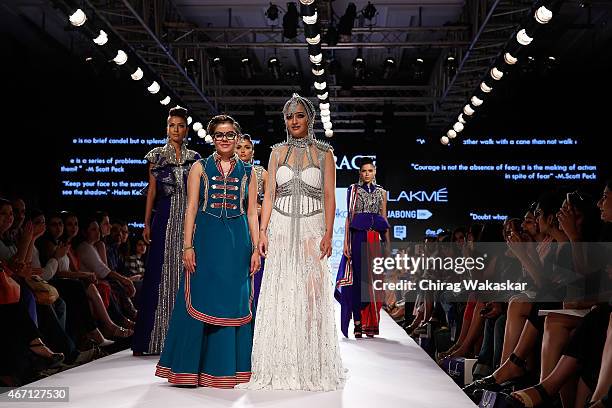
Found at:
[188, 248]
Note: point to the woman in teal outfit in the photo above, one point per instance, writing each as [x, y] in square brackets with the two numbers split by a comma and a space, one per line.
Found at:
[209, 339]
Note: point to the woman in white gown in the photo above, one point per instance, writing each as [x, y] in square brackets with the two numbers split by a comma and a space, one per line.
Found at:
[295, 346]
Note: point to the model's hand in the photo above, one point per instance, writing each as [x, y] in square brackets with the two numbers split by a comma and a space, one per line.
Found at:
[189, 260]
[263, 245]
[146, 234]
[255, 262]
[346, 251]
[325, 246]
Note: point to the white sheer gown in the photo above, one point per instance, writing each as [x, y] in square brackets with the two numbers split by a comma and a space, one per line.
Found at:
[295, 345]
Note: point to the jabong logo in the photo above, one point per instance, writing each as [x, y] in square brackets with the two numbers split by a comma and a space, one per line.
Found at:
[351, 163]
[439, 196]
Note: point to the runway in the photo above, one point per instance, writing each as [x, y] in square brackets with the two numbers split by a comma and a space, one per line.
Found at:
[389, 371]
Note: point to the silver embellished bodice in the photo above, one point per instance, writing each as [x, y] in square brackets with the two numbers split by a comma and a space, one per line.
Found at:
[260, 182]
[298, 192]
[369, 201]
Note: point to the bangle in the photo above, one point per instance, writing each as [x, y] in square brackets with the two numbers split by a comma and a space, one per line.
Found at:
[188, 248]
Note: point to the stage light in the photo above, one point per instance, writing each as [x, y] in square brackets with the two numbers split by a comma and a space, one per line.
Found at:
[496, 74]
[461, 119]
[307, 2]
[329, 133]
[246, 68]
[78, 18]
[347, 21]
[323, 96]
[189, 120]
[388, 68]
[468, 110]
[324, 106]
[418, 70]
[101, 39]
[121, 58]
[458, 127]
[202, 133]
[165, 101]
[523, 38]
[325, 112]
[154, 87]
[369, 11]
[197, 126]
[290, 21]
[274, 67]
[451, 66]
[320, 85]
[314, 40]
[318, 70]
[543, 15]
[510, 60]
[444, 140]
[316, 59]
[485, 88]
[451, 134]
[358, 68]
[272, 12]
[326, 118]
[208, 139]
[476, 101]
[191, 67]
[310, 19]
[327, 126]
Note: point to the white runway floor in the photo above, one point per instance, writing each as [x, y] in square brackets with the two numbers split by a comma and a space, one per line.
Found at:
[389, 371]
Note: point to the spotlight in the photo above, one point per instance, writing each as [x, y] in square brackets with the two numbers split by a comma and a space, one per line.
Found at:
[201, 133]
[458, 127]
[137, 75]
[310, 19]
[208, 139]
[324, 106]
[323, 96]
[451, 134]
[197, 126]
[272, 12]
[359, 68]
[189, 120]
[318, 70]
[496, 74]
[246, 69]
[418, 70]
[154, 87]
[476, 101]
[388, 68]
[329, 133]
[121, 58]
[290, 21]
[510, 60]
[327, 126]
[217, 66]
[191, 67]
[451, 66]
[543, 15]
[468, 110]
[307, 2]
[165, 101]
[369, 11]
[316, 59]
[78, 18]
[523, 38]
[314, 40]
[274, 67]
[101, 39]
[346, 23]
[485, 88]
[444, 140]
[325, 112]
[320, 85]
[460, 119]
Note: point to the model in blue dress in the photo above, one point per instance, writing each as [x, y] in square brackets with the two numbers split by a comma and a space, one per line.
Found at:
[209, 340]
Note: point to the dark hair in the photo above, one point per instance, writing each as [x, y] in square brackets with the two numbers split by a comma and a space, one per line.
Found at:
[178, 111]
[99, 216]
[217, 120]
[586, 204]
[246, 136]
[34, 213]
[549, 203]
[457, 230]
[366, 160]
[609, 184]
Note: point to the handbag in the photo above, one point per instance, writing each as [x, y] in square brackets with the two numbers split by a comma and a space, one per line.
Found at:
[44, 293]
[9, 289]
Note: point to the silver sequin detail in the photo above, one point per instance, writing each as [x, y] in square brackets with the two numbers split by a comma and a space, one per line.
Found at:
[367, 202]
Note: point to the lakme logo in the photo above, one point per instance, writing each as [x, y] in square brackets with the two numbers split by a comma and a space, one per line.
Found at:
[351, 162]
[422, 196]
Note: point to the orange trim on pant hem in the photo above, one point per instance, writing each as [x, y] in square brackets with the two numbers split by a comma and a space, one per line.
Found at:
[202, 379]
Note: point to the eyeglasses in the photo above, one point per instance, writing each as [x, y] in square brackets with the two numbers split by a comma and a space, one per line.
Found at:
[227, 135]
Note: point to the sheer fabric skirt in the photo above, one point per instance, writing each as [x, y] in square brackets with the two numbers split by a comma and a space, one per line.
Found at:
[295, 345]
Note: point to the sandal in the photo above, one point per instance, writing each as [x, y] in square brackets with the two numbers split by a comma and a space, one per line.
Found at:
[490, 383]
[357, 332]
[527, 401]
[54, 360]
[122, 332]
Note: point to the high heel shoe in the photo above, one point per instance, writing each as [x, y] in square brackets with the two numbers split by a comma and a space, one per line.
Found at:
[358, 331]
[49, 361]
[490, 383]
